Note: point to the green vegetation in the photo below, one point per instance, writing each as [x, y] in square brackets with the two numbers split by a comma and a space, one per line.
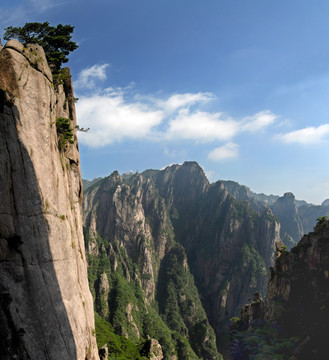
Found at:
[60, 77]
[253, 265]
[56, 41]
[125, 297]
[263, 342]
[120, 347]
[128, 316]
[321, 220]
[181, 309]
[64, 133]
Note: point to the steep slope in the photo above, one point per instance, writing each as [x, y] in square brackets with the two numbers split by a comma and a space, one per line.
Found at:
[166, 229]
[285, 209]
[46, 309]
[293, 320]
[141, 279]
[229, 244]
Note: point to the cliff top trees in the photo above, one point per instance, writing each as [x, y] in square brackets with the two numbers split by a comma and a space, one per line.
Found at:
[56, 41]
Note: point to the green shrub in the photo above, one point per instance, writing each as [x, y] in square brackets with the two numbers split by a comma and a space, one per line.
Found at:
[64, 133]
[61, 76]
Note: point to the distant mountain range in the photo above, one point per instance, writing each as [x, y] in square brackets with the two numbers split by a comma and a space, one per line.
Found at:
[296, 217]
[172, 257]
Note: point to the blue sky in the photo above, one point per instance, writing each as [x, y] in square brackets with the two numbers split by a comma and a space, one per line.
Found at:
[242, 87]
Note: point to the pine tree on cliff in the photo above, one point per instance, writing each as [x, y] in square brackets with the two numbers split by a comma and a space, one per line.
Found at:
[56, 41]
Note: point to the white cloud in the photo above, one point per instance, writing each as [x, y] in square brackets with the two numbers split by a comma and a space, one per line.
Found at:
[227, 151]
[178, 101]
[258, 121]
[201, 126]
[309, 135]
[112, 119]
[88, 76]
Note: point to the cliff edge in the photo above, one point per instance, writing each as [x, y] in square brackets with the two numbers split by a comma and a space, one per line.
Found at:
[46, 309]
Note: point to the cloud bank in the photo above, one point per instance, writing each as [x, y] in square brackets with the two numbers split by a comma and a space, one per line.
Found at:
[113, 116]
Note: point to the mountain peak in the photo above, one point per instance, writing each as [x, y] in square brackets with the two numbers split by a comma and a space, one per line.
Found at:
[289, 195]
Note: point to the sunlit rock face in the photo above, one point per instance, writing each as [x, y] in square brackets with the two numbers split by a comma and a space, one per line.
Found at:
[46, 309]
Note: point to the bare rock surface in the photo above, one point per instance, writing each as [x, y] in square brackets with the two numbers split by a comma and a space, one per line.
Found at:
[155, 350]
[46, 309]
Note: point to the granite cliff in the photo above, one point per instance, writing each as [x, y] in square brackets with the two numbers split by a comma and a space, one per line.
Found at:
[46, 309]
[173, 257]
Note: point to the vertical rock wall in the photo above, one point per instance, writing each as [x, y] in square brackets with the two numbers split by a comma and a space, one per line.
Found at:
[46, 309]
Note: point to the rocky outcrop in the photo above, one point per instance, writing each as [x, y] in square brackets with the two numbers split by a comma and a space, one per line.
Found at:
[296, 309]
[46, 309]
[285, 209]
[155, 350]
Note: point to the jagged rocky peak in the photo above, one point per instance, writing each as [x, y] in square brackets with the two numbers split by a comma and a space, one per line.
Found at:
[190, 173]
[287, 200]
[286, 210]
[46, 309]
[162, 229]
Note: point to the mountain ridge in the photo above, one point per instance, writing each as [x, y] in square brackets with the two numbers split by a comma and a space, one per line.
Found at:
[155, 216]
